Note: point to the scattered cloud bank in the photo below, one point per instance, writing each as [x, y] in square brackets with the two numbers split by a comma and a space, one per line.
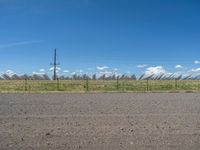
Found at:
[103, 70]
[10, 72]
[73, 73]
[57, 69]
[106, 73]
[42, 70]
[19, 43]
[196, 62]
[65, 71]
[38, 73]
[151, 72]
[157, 70]
[102, 67]
[178, 67]
[196, 70]
[142, 66]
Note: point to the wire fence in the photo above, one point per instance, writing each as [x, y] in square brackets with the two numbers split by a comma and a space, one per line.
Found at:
[98, 85]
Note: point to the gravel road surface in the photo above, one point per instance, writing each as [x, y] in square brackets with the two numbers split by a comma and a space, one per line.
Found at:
[103, 121]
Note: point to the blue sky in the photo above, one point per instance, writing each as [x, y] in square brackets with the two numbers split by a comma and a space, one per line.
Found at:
[133, 36]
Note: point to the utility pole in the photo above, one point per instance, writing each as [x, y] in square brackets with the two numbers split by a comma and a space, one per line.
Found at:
[55, 64]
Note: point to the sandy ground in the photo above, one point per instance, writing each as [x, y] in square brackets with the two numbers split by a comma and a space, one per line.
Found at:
[139, 121]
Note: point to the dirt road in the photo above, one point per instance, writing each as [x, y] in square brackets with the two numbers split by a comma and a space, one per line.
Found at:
[140, 121]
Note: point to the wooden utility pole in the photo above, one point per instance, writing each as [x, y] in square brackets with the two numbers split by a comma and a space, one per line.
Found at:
[55, 64]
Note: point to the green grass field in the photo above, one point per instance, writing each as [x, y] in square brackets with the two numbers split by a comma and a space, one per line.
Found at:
[99, 85]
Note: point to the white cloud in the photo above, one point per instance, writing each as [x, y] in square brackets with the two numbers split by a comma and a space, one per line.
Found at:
[19, 43]
[116, 69]
[65, 71]
[42, 70]
[57, 69]
[102, 67]
[73, 73]
[196, 70]
[107, 73]
[197, 62]
[38, 73]
[80, 71]
[178, 67]
[10, 72]
[155, 70]
[142, 66]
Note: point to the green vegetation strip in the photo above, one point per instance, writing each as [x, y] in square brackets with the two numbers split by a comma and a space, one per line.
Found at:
[99, 86]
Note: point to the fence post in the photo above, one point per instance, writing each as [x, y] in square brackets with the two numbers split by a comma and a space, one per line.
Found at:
[176, 84]
[147, 85]
[117, 82]
[25, 84]
[58, 84]
[87, 84]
